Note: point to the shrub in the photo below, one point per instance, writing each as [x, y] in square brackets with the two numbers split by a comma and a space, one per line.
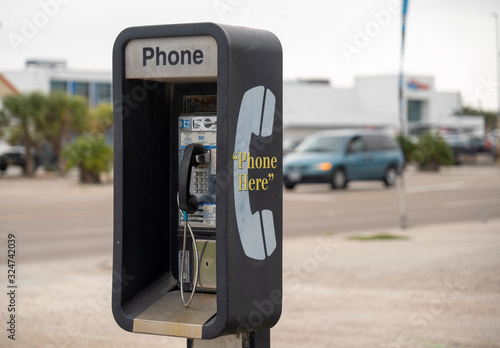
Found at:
[430, 152]
[91, 154]
[433, 151]
[407, 146]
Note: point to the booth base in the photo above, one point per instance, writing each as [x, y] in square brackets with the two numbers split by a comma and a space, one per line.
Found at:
[168, 316]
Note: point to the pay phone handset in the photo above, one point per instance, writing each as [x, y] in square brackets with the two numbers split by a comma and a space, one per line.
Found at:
[197, 155]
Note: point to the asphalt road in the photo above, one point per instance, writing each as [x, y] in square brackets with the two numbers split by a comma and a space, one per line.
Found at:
[57, 218]
[438, 288]
[455, 194]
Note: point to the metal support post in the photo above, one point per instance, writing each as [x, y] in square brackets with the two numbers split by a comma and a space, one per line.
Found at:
[255, 339]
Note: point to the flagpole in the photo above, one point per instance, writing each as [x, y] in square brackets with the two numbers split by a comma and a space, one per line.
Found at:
[402, 119]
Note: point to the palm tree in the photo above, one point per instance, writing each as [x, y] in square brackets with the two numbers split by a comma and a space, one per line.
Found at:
[101, 118]
[31, 119]
[67, 116]
[25, 114]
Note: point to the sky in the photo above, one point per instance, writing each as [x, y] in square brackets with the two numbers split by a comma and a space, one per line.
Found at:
[453, 41]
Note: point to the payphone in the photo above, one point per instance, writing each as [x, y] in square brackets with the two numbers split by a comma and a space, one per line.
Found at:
[197, 198]
[197, 247]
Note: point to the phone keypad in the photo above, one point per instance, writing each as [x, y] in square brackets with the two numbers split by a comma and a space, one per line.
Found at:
[200, 178]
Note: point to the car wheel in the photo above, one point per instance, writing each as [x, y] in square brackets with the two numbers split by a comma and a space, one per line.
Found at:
[339, 179]
[3, 164]
[390, 176]
[288, 185]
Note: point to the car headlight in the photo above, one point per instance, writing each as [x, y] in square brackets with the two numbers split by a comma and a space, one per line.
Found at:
[323, 166]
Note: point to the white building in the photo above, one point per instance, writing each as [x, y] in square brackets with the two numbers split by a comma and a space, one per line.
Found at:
[373, 102]
[308, 105]
[50, 76]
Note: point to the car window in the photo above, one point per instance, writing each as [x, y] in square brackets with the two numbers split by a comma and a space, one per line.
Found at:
[456, 140]
[322, 144]
[377, 142]
[356, 145]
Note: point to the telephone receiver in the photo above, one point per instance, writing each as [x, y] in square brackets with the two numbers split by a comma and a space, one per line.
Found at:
[256, 230]
[194, 154]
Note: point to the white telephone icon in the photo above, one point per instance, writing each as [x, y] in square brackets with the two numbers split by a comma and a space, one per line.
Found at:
[256, 230]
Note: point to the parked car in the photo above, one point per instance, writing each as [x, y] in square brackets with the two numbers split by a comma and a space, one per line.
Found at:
[460, 145]
[477, 142]
[14, 155]
[340, 156]
[491, 139]
[290, 144]
[4, 148]
[494, 148]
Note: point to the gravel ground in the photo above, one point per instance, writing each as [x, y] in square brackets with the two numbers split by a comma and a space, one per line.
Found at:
[439, 288]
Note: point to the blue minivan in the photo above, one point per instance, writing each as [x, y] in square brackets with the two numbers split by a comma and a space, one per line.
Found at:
[339, 156]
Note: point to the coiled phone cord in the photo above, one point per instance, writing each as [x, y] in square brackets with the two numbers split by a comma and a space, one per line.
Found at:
[186, 226]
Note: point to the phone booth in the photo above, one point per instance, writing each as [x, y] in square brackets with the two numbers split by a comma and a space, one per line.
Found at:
[197, 247]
